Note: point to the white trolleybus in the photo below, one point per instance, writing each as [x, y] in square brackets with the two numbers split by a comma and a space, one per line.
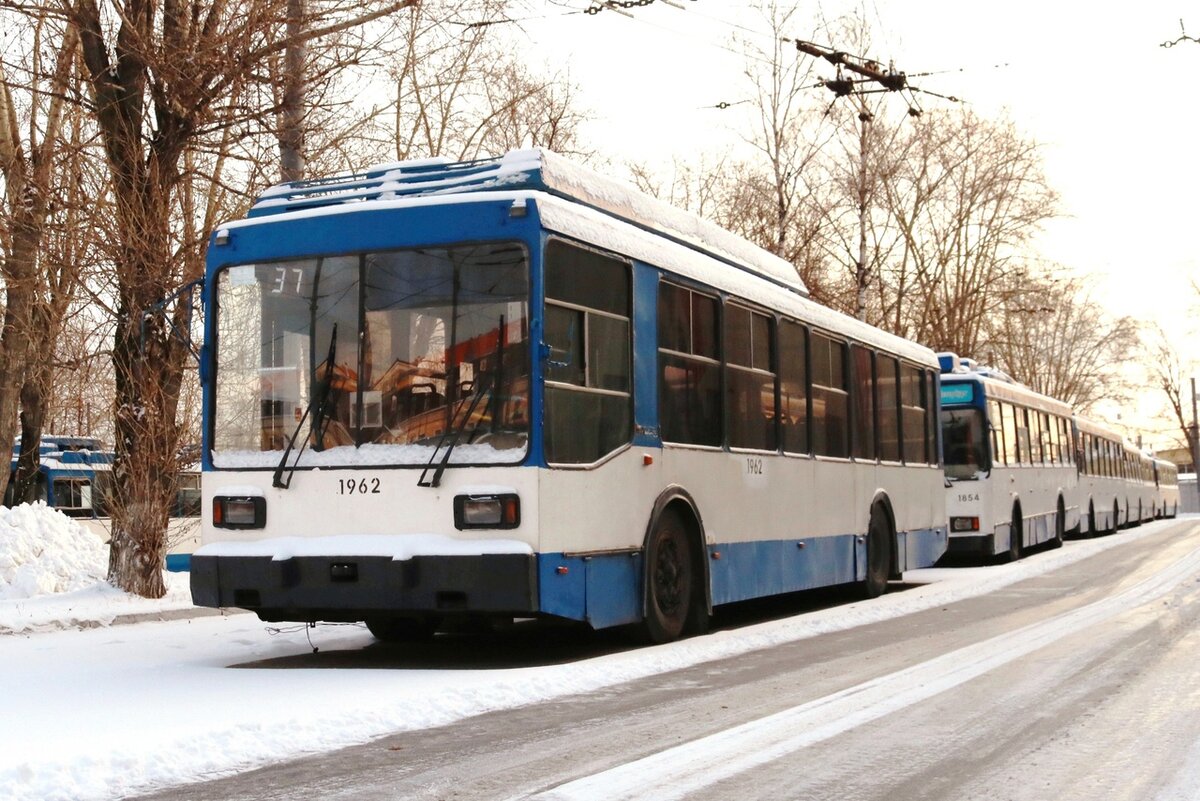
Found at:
[515, 388]
[1009, 460]
[1116, 480]
[1166, 481]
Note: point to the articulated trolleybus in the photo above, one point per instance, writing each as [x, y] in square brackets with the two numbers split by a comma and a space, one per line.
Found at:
[1009, 460]
[515, 388]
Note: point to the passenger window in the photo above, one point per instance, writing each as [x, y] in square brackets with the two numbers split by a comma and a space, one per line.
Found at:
[749, 380]
[793, 386]
[588, 375]
[830, 398]
[864, 402]
[889, 408]
[689, 399]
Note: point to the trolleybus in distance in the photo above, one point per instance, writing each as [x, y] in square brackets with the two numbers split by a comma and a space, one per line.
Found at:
[1113, 492]
[516, 388]
[1008, 456]
[1166, 482]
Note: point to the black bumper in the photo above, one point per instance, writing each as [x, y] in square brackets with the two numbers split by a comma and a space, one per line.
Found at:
[347, 588]
[976, 545]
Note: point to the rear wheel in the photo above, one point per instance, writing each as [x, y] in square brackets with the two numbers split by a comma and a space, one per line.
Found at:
[670, 580]
[1091, 519]
[1060, 525]
[1116, 517]
[879, 554]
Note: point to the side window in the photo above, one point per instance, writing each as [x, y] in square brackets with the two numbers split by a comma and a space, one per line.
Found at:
[864, 402]
[749, 379]
[1010, 433]
[999, 455]
[912, 414]
[588, 376]
[793, 386]
[689, 385]
[830, 398]
[931, 422]
[888, 385]
[1035, 436]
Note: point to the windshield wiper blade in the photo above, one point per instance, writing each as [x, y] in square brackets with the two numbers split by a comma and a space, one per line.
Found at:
[450, 437]
[316, 406]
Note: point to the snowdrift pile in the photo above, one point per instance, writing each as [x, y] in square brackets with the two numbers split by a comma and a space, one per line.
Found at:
[44, 552]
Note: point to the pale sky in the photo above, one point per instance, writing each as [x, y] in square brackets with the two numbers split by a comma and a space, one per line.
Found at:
[1115, 111]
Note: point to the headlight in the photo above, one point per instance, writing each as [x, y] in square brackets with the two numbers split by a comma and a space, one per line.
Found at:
[487, 511]
[964, 524]
[240, 512]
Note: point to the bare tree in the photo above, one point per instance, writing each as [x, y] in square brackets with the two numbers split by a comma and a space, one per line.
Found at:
[1052, 335]
[1167, 369]
[967, 197]
[462, 93]
[32, 166]
[161, 75]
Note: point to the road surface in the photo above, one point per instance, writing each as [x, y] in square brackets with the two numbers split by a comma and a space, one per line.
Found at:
[1077, 684]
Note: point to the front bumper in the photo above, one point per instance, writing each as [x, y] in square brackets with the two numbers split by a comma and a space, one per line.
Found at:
[349, 588]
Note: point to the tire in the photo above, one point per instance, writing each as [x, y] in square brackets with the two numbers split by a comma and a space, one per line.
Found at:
[1091, 519]
[879, 554]
[1116, 517]
[1016, 533]
[402, 629]
[670, 580]
[1060, 525]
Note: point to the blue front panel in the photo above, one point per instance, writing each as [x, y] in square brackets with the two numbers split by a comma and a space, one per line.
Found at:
[747, 570]
[922, 548]
[604, 590]
[179, 562]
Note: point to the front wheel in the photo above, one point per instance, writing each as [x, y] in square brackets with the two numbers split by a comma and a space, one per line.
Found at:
[1015, 535]
[670, 580]
[879, 555]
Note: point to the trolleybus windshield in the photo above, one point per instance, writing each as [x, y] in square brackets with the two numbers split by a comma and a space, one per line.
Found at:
[418, 331]
[964, 447]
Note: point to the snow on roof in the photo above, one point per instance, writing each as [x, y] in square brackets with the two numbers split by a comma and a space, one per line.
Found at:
[539, 170]
[620, 237]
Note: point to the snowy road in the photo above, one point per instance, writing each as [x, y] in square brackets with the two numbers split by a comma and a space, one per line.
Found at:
[1069, 675]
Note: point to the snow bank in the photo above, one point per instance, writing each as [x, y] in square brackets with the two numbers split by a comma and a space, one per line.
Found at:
[52, 575]
[43, 552]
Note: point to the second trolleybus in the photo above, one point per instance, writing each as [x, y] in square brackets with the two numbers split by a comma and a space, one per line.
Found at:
[1009, 460]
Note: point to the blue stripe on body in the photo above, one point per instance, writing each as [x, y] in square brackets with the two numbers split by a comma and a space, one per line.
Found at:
[606, 589]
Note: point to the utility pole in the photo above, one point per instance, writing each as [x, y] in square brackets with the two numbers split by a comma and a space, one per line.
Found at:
[1193, 438]
[889, 80]
[860, 277]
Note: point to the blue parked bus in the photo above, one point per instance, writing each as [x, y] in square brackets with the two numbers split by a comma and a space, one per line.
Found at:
[75, 477]
[517, 388]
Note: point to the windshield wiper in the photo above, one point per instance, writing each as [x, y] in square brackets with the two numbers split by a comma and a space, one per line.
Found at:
[317, 405]
[450, 437]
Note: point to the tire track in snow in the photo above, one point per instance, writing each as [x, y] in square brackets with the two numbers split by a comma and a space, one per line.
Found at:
[680, 771]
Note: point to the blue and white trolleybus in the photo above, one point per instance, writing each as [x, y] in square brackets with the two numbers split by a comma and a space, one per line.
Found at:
[517, 388]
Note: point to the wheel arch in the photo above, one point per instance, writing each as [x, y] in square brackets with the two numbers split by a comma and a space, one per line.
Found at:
[678, 498]
[883, 501]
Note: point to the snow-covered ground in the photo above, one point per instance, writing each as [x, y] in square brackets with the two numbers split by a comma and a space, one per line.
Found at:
[98, 708]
